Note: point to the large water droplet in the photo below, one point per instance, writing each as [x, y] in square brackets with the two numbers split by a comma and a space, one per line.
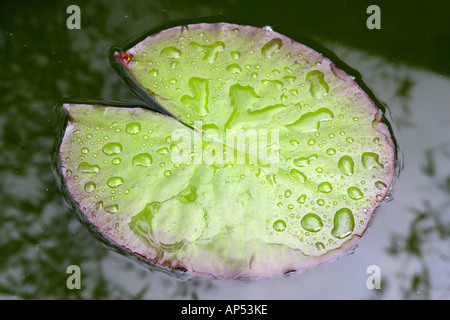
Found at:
[114, 208]
[242, 99]
[380, 185]
[171, 52]
[331, 151]
[311, 121]
[318, 87]
[153, 72]
[142, 160]
[211, 51]
[163, 150]
[301, 199]
[114, 182]
[279, 225]
[299, 176]
[311, 222]
[112, 148]
[343, 223]
[354, 193]
[325, 187]
[199, 100]
[235, 54]
[271, 47]
[346, 165]
[370, 160]
[276, 83]
[87, 168]
[234, 68]
[320, 246]
[304, 162]
[89, 186]
[133, 128]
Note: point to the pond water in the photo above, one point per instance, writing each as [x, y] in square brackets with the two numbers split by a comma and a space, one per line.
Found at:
[403, 63]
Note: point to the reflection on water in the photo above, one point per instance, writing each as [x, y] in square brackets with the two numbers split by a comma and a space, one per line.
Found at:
[40, 235]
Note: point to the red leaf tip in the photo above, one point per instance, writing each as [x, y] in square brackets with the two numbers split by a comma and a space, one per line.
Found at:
[124, 57]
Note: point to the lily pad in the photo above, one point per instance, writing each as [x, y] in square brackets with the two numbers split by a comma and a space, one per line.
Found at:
[271, 158]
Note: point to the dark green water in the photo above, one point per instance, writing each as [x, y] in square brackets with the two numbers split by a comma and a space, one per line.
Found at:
[405, 64]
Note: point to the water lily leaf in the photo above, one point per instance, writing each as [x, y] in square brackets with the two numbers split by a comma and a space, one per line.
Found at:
[273, 159]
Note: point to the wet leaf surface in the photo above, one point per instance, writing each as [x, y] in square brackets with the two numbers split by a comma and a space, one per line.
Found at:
[273, 158]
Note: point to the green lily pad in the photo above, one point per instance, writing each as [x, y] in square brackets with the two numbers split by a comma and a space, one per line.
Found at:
[272, 159]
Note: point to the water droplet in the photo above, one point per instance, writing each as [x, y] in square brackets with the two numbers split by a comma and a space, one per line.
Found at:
[279, 225]
[171, 52]
[112, 148]
[325, 187]
[167, 173]
[290, 79]
[235, 55]
[163, 150]
[346, 165]
[299, 176]
[311, 222]
[89, 186]
[343, 223]
[199, 101]
[287, 193]
[318, 88]
[304, 162]
[354, 193]
[87, 168]
[370, 160]
[133, 128]
[311, 121]
[112, 208]
[380, 185]
[271, 47]
[153, 72]
[294, 142]
[84, 150]
[173, 81]
[320, 246]
[276, 83]
[99, 205]
[142, 160]
[211, 51]
[242, 98]
[234, 68]
[114, 182]
[116, 161]
[331, 151]
[301, 199]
